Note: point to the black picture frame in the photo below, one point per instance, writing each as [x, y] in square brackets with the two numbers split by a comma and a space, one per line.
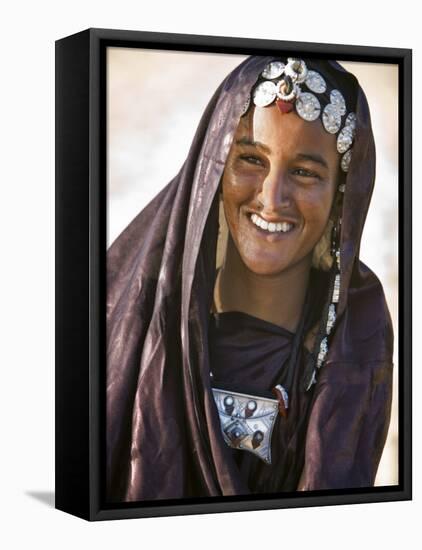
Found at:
[80, 272]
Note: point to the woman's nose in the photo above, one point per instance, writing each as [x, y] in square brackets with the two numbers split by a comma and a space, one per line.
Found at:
[274, 194]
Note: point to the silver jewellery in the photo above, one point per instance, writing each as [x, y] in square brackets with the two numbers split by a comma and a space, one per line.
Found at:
[247, 421]
[283, 82]
[331, 315]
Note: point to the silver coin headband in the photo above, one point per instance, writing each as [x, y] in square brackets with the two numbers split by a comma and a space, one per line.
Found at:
[283, 84]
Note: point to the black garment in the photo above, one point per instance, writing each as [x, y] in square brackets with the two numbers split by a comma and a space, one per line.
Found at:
[248, 355]
[243, 347]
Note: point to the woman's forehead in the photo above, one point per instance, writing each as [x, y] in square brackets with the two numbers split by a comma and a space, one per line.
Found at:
[270, 127]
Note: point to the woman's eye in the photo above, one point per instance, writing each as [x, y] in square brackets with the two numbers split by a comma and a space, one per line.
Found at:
[302, 172]
[250, 159]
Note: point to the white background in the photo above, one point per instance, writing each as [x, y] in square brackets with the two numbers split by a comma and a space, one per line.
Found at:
[29, 29]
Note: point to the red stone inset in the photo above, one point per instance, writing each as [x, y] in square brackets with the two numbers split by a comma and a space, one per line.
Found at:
[284, 106]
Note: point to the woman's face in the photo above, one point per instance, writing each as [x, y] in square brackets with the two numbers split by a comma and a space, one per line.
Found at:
[278, 188]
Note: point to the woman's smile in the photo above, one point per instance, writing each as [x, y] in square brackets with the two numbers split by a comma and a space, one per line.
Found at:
[270, 231]
[272, 226]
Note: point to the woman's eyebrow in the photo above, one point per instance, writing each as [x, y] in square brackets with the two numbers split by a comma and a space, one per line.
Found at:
[246, 141]
[314, 157]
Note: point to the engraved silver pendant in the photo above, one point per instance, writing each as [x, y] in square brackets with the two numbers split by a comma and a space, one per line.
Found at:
[247, 421]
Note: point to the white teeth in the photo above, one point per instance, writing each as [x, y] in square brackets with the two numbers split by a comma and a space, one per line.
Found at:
[271, 227]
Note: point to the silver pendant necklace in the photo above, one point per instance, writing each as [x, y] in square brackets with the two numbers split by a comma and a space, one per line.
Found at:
[247, 421]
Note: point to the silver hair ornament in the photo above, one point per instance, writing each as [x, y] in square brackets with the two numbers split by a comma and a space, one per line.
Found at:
[283, 82]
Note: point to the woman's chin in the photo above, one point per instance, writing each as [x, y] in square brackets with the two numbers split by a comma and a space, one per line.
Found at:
[265, 267]
[270, 265]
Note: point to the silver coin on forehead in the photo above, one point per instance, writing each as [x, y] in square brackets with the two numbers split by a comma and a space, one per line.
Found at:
[264, 93]
[351, 120]
[337, 99]
[315, 82]
[308, 107]
[331, 118]
[344, 139]
[345, 160]
[273, 70]
[246, 105]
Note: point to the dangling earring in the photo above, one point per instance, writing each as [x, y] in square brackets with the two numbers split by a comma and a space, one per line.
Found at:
[330, 313]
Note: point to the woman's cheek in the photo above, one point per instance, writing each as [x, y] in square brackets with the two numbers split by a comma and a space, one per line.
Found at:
[238, 187]
[234, 180]
[314, 203]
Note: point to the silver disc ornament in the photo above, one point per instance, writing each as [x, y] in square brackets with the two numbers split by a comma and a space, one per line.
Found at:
[315, 82]
[345, 160]
[308, 107]
[273, 70]
[331, 118]
[264, 93]
[338, 101]
[345, 139]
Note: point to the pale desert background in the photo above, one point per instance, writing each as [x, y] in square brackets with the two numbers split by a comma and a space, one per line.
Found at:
[155, 101]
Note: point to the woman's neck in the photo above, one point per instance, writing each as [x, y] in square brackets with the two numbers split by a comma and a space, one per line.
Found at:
[277, 299]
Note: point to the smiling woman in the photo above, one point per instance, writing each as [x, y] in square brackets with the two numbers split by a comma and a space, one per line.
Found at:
[284, 170]
[278, 191]
[249, 349]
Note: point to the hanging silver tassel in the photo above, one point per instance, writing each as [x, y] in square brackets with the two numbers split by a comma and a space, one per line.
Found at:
[332, 308]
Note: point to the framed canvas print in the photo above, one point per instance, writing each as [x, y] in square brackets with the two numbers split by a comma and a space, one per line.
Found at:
[233, 274]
